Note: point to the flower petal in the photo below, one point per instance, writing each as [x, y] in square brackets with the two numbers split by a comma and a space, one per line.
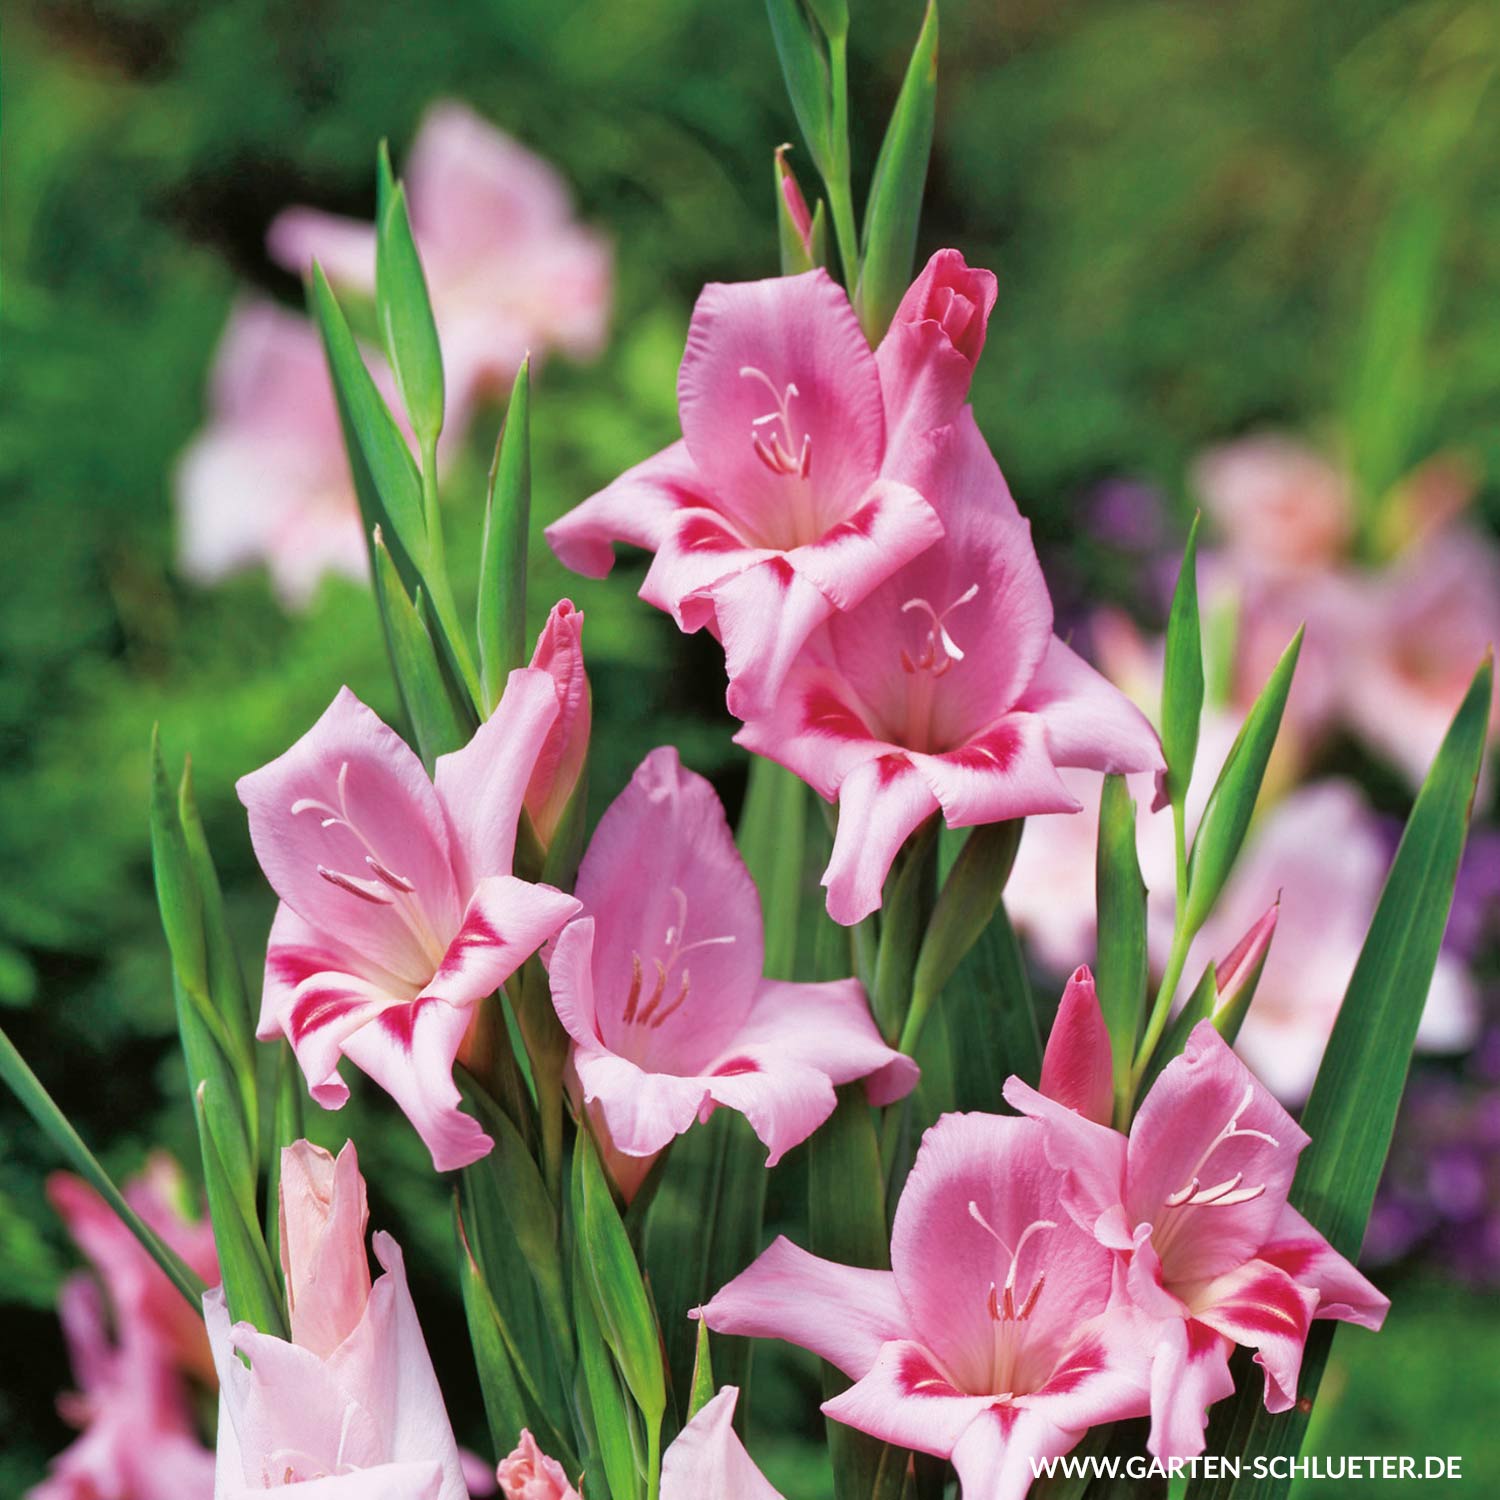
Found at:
[483, 786]
[643, 1112]
[345, 248]
[1004, 772]
[414, 1481]
[748, 343]
[707, 1458]
[1189, 1372]
[828, 1026]
[994, 1458]
[323, 1013]
[1259, 1305]
[350, 792]
[881, 802]
[1078, 1068]
[1181, 1135]
[295, 951]
[1089, 721]
[409, 1051]
[906, 1399]
[784, 1100]
[637, 508]
[1299, 1250]
[842, 1313]
[506, 922]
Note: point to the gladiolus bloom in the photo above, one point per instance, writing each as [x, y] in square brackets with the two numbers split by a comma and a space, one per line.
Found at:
[399, 914]
[509, 270]
[528, 1474]
[790, 495]
[356, 1413]
[559, 764]
[135, 1347]
[945, 688]
[1194, 1203]
[267, 480]
[660, 986]
[991, 1341]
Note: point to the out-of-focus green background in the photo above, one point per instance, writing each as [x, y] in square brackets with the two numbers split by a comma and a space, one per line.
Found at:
[1196, 211]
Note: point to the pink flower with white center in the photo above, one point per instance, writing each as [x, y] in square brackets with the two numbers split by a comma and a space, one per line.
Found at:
[509, 269]
[559, 653]
[991, 1341]
[660, 986]
[528, 1474]
[135, 1346]
[945, 688]
[1194, 1203]
[399, 914]
[351, 1406]
[790, 496]
[267, 481]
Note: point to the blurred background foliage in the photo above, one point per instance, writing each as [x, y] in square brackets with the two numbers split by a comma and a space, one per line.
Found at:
[1204, 218]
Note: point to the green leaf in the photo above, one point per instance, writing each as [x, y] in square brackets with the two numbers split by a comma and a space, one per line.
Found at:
[909, 901]
[847, 1223]
[393, 498]
[440, 721]
[1221, 830]
[177, 894]
[286, 1129]
[772, 836]
[39, 1104]
[805, 69]
[607, 1417]
[966, 905]
[702, 1391]
[615, 1281]
[251, 1287]
[502, 560]
[404, 311]
[895, 202]
[1120, 971]
[511, 1401]
[1182, 675]
[831, 15]
[1352, 1110]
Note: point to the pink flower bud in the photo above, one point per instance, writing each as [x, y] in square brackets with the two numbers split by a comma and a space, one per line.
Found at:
[528, 1474]
[796, 204]
[954, 295]
[559, 652]
[323, 1217]
[1242, 963]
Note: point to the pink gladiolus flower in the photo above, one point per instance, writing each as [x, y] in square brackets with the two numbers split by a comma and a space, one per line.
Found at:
[528, 1474]
[790, 496]
[707, 1458]
[1194, 1202]
[356, 1413]
[267, 481]
[991, 1341]
[559, 653]
[135, 1348]
[508, 268]
[660, 986]
[945, 689]
[399, 914]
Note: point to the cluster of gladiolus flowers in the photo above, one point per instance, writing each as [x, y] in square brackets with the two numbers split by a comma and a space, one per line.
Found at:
[511, 274]
[1049, 1273]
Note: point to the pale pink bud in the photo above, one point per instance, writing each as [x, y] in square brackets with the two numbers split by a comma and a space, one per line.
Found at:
[956, 296]
[528, 1474]
[323, 1216]
[796, 204]
[1242, 963]
[559, 652]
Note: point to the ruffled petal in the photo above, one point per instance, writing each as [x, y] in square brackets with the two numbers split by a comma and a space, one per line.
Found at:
[784, 1100]
[1260, 1306]
[842, 1313]
[643, 1112]
[637, 508]
[1189, 1372]
[1004, 772]
[994, 1458]
[1089, 721]
[295, 951]
[881, 803]
[1299, 1250]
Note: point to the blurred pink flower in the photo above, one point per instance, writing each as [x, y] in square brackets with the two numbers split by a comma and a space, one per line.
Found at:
[1322, 853]
[1193, 1203]
[399, 914]
[991, 1341]
[135, 1347]
[945, 688]
[791, 495]
[660, 985]
[559, 653]
[360, 1417]
[509, 269]
[267, 480]
[528, 1474]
